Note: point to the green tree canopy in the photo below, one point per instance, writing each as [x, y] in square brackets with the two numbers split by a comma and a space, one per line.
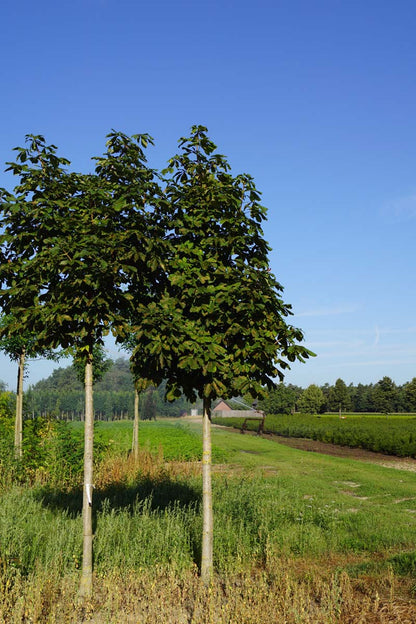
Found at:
[311, 400]
[410, 395]
[385, 395]
[281, 400]
[217, 325]
[339, 397]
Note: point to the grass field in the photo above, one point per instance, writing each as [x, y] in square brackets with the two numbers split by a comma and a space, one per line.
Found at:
[298, 537]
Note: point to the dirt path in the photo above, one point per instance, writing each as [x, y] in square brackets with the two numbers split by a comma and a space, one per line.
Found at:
[315, 446]
[401, 463]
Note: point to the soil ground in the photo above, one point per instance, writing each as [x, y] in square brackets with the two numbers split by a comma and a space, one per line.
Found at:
[390, 461]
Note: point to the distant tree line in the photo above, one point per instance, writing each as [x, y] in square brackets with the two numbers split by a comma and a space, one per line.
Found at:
[384, 397]
[62, 396]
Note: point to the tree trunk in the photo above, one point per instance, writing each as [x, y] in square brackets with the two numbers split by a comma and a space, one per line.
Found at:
[207, 517]
[86, 577]
[135, 445]
[18, 425]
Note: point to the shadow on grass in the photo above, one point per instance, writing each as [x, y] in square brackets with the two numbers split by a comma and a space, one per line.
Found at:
[161, 493]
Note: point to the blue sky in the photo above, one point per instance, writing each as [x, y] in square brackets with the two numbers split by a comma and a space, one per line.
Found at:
[316, 100]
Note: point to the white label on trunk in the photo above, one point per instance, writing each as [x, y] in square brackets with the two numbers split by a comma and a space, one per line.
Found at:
[88, 491]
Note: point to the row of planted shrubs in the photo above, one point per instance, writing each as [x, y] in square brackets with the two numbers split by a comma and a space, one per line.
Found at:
[393, 436]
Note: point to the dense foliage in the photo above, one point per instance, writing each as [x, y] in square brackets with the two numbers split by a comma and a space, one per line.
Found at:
[218, 325]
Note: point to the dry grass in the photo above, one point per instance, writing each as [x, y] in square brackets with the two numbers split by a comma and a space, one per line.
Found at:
[118, 470]
[293, 592]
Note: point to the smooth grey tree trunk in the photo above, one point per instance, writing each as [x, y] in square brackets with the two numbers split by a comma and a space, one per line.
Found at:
[135, 445]
[207, 515]
[85, 590]
[18, 425]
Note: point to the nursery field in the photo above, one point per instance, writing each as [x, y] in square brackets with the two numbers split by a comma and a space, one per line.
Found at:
[298, 537]
[393, 434]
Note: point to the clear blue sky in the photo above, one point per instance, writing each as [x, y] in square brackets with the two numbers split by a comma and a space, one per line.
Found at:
[315, 99]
